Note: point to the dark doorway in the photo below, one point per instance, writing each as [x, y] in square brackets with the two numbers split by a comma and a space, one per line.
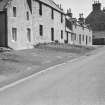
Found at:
[3, 29]
[52, 34]
[86, 40]
[79, 39]
[67, 37]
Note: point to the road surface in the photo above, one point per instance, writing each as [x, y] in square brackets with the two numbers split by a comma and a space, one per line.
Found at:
[81, 82]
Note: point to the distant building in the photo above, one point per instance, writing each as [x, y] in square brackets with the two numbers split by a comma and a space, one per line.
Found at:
[78, 32]
[96, 19]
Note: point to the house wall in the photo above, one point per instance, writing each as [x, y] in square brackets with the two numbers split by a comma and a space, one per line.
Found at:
[21, 23]
[47, 23]
[78, 30]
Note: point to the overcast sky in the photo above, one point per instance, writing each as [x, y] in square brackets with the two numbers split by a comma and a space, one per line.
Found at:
[78, 6]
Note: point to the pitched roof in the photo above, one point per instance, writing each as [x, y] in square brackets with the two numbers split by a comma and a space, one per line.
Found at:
[96, 19]
[52, 4]
[3, 3]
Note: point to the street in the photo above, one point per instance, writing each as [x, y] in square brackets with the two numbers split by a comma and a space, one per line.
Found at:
[80, 82]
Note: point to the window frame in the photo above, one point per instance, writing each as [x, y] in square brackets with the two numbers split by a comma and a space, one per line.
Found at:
[83, 38]
[27, 14]
[52, 34]
[40, 8]
[61, 17]
[61, 34]
[90, 38]
[52, 13]
[41, 30]
[14, 34]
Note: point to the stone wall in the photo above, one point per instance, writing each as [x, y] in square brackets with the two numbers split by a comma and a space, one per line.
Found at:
[78, 30]
[21, 23]
[47, 23]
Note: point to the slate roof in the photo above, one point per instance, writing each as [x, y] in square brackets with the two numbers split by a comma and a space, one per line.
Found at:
[51, 3]
[96, 19]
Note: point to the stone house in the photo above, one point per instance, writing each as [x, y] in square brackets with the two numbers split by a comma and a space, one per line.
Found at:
[77, 32]
[50, 19]
[24, 23]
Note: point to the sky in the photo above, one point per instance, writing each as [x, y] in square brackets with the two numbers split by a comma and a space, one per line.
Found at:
[78, 6]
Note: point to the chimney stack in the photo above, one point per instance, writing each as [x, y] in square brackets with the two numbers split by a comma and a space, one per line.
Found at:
[81, 18]
[69, 13]
[104, 9]
[96, 6]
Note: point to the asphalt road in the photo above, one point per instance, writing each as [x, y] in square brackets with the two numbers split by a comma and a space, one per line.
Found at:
[81, 82]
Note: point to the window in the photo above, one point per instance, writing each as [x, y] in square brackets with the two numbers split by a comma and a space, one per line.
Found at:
[41, 30]
[89, 39]
[14, 34]
[40, 9]
[61, 34]
[52, 14]
[14, 11]
[27, 15]
[83, 38]
[80, 39]
[61, 18]
[86, 39]
[29, 34]
[72, 37]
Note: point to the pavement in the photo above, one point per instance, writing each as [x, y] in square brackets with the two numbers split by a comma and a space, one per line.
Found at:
[77, 82]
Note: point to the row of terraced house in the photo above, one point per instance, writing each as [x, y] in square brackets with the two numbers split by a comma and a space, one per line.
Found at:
[25, 23]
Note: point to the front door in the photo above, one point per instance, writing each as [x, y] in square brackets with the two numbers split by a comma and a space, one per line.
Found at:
[3, 29]
[67, 37]
[52, 34]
